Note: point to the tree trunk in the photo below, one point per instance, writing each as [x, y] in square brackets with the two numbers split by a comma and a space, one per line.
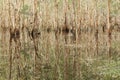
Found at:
[108, 27]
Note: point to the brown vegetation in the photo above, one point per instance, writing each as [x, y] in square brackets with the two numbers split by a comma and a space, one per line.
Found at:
[57, 35]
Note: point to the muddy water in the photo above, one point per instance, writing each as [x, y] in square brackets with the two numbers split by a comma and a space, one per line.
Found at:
[84, 40]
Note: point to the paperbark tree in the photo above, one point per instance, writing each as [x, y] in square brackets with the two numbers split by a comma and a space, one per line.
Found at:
[108, 27]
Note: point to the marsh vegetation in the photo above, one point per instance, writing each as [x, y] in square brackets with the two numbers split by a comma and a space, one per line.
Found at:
[59, 39]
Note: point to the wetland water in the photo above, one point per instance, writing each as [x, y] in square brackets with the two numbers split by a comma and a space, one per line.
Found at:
[50, 50]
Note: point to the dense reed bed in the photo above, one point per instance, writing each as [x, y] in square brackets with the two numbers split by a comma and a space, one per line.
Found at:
[59, 39]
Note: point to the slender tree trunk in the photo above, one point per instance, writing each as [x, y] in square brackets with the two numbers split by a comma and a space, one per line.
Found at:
[108, 27]
[78, 38]
[10, 59]
[96, 27]
[10, 46]
[76, 21]
[35, 40]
